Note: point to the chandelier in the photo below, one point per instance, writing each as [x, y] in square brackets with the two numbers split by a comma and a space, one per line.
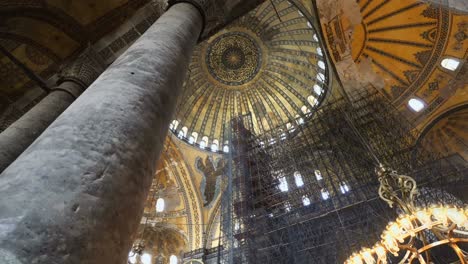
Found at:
[417, 230]
[137, 256]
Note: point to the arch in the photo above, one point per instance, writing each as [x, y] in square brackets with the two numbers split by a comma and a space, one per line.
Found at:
[192, 202]
[51, 15]
[161, 241]
[214, 224]
[445, 134]
[44, 34]
[438, 118]
[28, 41]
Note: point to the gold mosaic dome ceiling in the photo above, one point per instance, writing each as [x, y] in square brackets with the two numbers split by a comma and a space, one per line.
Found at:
[234, 58]
[268, 64]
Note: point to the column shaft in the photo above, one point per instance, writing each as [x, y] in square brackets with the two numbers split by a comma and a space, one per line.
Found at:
[19, 135]
[76, 195]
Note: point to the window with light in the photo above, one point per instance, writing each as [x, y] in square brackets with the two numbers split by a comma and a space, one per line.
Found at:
[160, 204]
[283, 185]
[298, 179]
[450, 64]
[146, 258]
[325, 194]
[318, 175]
[344, 188]
[318, 90]
[173, 259]
[416, 104]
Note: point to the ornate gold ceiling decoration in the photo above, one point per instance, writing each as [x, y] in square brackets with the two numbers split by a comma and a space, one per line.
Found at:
[268, 64]
[234, 58]
[182, 207]
[405, 41]
[44, 34]
[398, 47]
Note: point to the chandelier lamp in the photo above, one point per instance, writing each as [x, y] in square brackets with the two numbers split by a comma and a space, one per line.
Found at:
[417, 230]
[137, 255]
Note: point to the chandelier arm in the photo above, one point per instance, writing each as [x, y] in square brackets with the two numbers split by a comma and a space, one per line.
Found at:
[421, 259]
[411, 253]
[410, 242]
[428, 257]
[459, 253]
[460, 232]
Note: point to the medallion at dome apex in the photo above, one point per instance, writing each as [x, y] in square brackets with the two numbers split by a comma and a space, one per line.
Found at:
[234, 58]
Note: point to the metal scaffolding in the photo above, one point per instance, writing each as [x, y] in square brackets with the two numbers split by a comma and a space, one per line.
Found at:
[306, 192]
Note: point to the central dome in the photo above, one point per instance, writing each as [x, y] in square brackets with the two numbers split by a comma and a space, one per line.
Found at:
[233, 58]
[267, 66]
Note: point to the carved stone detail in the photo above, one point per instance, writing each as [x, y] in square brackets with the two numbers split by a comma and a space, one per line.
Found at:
[84, 70]
[202, 5]
[218, 13]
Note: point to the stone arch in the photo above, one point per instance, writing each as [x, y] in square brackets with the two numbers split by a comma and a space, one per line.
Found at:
[446, 134]
[175, 161]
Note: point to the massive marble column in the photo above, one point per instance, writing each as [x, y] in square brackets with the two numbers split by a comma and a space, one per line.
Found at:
[74, 79]
[76, 195]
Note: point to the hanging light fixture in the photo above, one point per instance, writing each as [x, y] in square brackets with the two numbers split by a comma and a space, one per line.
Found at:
[137, 256]
[447, 222]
